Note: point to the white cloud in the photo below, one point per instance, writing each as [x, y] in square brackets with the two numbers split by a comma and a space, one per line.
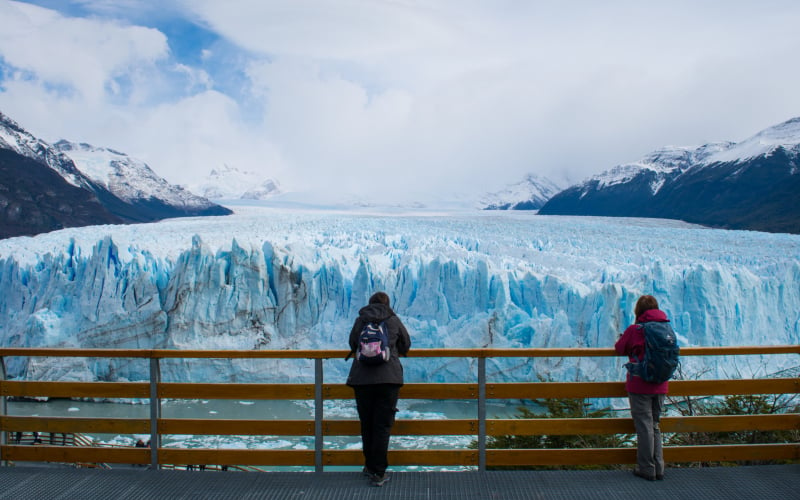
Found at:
[330, 129]
[196, 78]
[82, 55]
[416, 95]
[342, 30]
[185, 139]
[493, 91]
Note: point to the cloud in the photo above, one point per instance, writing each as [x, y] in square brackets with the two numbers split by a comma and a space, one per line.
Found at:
[424, 97]
[80, 54]
[345, 30]
[114, 85]
[461, 93]
[328, 126]
[187, 138]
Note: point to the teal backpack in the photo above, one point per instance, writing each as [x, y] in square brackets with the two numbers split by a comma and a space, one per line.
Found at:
[661, 353]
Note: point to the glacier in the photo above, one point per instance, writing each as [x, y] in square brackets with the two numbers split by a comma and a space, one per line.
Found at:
[272, 278]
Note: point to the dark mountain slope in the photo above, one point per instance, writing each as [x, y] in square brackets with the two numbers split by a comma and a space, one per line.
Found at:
[754, 184]
[762, 194]
[34, 199]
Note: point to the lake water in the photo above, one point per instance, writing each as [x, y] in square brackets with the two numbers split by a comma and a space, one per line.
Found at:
[260, 409]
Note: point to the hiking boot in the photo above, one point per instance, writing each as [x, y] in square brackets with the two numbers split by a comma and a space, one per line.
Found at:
[378, 479]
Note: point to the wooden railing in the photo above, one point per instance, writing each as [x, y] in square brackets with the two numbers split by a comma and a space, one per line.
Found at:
[480, 391]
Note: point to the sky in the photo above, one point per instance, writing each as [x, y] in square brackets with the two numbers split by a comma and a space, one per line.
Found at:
[403, 99]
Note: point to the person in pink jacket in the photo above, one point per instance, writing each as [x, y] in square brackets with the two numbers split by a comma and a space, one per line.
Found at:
[646, 399]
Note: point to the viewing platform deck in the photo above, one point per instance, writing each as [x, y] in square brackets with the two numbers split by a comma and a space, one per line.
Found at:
[779, 482]
[333, 471]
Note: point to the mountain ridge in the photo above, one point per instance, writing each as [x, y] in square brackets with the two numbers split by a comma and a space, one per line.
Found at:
[531, 193]
[133, 181]
[750, 185]
[40, 200]
[227, 182]
[31, 200]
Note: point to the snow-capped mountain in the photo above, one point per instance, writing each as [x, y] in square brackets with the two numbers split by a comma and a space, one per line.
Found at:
[130, 179]
[281, 279]
[785, 136]
[34, 198]
[752, 184]
[19, 140]
[116, 189]
[531, 193]
[230, 183]
[662, 164]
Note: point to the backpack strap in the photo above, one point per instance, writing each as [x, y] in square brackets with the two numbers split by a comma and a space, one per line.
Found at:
[642, 329]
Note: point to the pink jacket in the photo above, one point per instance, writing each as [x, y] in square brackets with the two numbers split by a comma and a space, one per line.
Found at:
[631, 344]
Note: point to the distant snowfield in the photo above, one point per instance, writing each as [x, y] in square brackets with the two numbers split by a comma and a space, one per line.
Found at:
[280, 277]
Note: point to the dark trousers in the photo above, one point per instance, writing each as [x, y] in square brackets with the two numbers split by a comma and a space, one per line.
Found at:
[377, 405]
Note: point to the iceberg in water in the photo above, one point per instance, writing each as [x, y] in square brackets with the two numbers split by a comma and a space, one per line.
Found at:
[267, 278]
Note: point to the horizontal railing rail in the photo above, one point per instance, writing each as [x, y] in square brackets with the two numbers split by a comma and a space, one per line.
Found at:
[320, 428]
[490, 352]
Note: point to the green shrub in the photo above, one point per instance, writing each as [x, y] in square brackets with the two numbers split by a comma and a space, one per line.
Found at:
[738, 405]
[559, 408]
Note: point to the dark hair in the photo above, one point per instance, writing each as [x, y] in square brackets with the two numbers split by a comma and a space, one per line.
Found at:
[379, 298]
[645, 303]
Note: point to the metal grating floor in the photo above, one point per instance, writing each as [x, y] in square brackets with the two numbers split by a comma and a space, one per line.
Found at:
[779, 482]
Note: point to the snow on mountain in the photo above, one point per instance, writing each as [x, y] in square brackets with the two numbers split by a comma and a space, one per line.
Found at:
[663, 163]
[128, 178]
[530, 193]
[230, 183]
[123, 188]
[673, 160]
[785, 135]
[267, 278]
[19, 140]
[751, 185]
[34, 199]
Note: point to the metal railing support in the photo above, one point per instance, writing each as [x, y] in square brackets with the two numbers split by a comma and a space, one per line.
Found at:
[3, 407]
[155, 413]
[318, 415]
[481, 414]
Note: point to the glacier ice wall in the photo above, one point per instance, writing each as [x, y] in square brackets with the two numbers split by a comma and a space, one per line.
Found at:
[268, 279]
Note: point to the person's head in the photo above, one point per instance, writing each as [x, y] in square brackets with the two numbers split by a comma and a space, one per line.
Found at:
[645, 303]
[379, 298]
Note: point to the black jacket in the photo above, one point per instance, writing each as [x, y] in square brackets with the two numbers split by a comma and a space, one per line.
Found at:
[390, 372]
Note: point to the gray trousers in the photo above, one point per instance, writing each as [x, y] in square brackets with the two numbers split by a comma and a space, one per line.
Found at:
[646, 413]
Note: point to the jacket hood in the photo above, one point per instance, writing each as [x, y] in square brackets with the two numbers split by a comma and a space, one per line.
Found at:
[376, 312]
[652, 315]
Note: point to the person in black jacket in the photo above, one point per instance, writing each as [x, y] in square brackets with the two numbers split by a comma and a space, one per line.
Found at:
[377, 387]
